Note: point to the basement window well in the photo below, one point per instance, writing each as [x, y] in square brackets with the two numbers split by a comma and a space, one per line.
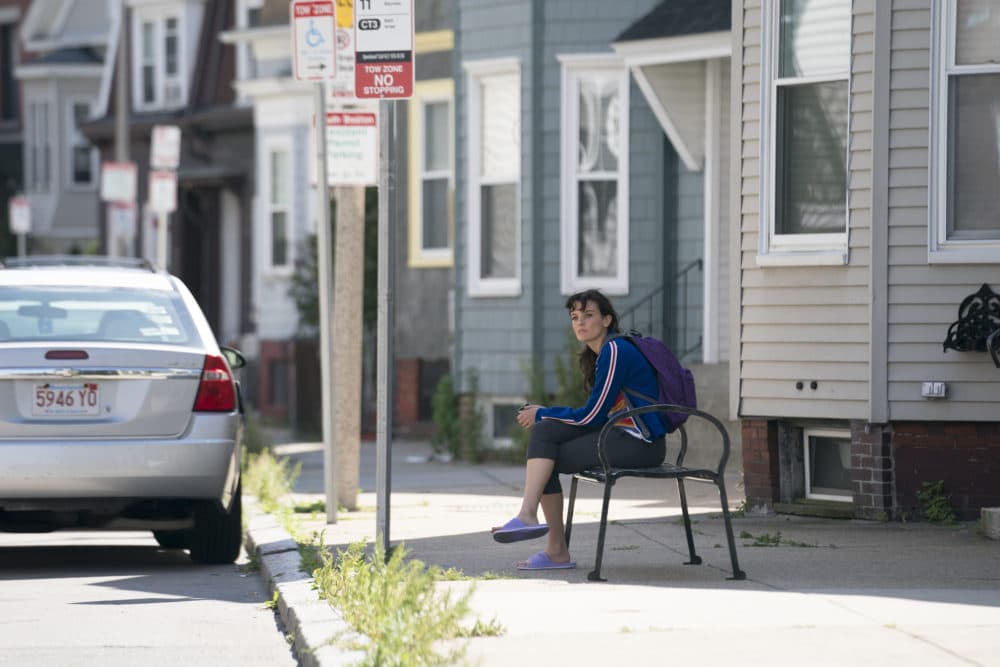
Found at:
[827, 459]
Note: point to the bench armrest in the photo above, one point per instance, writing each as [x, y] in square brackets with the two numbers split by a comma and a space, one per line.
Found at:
[691, 412]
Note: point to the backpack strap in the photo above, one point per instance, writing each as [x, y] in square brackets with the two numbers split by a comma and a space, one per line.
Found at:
[632, 392]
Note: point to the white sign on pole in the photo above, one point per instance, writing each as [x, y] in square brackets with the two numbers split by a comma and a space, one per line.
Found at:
[163, 191]
[122, 217]
[342, 85]
[384, 40]
[352, 147]
[118, 182]
[313, 40]
[20, 215]
[166, 148]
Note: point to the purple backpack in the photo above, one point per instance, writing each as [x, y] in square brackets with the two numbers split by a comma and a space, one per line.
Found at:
[676, 383]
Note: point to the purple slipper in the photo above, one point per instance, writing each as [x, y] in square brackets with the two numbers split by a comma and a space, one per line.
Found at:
[541, 561]
[516, 530]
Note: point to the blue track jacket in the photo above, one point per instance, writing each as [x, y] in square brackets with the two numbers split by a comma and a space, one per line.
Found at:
[619, 365]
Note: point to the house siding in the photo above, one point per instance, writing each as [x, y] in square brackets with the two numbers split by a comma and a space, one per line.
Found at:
[807, 325]
[923, 298]
[495, 335]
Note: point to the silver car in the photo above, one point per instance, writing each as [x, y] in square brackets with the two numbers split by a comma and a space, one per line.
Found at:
[118, 409]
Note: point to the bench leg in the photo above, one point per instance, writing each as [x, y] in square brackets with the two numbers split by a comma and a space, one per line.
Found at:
[695, 558]
[738, 574]
[569, 510]
[595, 575]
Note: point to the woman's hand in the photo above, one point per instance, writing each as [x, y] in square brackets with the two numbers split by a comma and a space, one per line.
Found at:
[526, 415]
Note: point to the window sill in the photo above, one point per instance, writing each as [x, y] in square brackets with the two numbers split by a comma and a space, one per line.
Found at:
[495, 289]
[984, 253]
[813, 258]
[440, 260]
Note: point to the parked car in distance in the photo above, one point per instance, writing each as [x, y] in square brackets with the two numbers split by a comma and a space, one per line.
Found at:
[118, 408]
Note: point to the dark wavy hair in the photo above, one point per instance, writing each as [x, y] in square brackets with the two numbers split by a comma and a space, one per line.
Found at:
[587, 357]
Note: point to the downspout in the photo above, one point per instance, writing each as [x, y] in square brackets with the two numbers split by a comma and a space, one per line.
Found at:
[537, 301]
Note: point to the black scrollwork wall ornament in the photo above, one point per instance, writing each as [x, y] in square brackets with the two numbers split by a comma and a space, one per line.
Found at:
[978, 317]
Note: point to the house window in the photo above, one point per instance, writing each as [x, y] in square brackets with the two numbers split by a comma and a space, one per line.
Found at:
[827, 459]
[432, 180]
[965, 153]
[159, 58]
[806, 80]
[38, 149]
[8, 83]
[82, 156]
[595, 93]
[279, 214]
[494, 209]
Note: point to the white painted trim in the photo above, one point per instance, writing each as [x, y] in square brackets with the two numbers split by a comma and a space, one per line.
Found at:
[791, 249]
[686, 48]
[941, 249]
[419, 256]
[821, 433]
[110, 62]
[712, 223]
[10, 14]
[249, 35]
[666, 122]
[269, 144]
[158, 16]
[477, 286]
[573, 67]
[29, 72]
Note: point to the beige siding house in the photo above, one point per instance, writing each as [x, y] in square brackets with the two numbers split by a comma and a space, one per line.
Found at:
[867, 157]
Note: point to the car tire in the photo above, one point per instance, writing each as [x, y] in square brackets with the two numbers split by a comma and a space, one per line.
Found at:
[171, 539]
[217, 534]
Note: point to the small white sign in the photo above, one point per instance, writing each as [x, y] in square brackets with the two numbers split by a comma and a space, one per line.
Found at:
[352, 147]
[314, 40]
[166, 149]
[122, 218]
[118, 182]
[163, 191]
[20, 215]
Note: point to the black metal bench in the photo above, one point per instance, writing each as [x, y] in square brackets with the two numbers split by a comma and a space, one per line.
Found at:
[608, 475]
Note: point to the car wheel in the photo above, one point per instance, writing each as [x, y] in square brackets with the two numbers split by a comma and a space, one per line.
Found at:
[217, 534]
[171, 539]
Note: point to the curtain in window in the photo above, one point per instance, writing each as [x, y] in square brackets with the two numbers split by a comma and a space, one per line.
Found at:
[436, 177]
[597, 174]
[500, 148]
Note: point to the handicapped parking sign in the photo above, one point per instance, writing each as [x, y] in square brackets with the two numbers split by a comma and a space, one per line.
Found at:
[314, 39]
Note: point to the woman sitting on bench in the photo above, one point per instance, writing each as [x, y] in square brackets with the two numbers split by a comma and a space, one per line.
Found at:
[564, 439]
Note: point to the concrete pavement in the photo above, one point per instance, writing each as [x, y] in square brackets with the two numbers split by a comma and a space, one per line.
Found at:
[832, 592]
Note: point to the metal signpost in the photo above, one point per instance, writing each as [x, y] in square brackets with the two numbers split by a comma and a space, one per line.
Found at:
[19, 210]
[383, 37]
[164, 158]
[314, 58]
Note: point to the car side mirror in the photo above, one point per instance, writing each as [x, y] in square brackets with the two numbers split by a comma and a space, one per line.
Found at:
[233, 357]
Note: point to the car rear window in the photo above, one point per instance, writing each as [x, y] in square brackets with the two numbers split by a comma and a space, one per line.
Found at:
[113, 315]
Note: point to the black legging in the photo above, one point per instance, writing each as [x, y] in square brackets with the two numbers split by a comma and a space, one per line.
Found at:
[574, 448]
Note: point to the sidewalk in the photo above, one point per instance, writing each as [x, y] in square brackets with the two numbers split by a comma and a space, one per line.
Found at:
[831, 593]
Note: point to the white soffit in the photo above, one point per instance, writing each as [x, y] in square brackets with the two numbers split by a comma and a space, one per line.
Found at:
[670, 72]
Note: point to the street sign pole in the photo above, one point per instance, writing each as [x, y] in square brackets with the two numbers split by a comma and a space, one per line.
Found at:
[324, 261]
[387, 218]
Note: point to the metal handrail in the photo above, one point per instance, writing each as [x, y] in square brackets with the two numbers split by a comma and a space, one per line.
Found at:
[680, 278]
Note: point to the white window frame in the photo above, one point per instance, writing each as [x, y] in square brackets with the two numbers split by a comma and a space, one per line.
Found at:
[477, 285]
[425, 93]
[791, 249]
[488, 404]
[74, 139]
[158, 16]
[821, 433]
[941, 249]
[269, 207]
[574, 69]
[38, 145]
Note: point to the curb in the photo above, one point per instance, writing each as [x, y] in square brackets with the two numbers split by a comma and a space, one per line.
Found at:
[309, 621]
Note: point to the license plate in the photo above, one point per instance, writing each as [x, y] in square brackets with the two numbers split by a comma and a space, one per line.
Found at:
[74, 399]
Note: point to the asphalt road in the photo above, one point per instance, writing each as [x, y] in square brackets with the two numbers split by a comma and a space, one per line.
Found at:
[115, 598]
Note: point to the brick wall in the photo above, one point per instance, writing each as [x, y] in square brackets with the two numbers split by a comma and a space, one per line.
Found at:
[872, 470]
[760, 461]
[965, 455]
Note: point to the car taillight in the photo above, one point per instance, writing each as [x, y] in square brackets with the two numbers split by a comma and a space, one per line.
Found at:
[216, 393]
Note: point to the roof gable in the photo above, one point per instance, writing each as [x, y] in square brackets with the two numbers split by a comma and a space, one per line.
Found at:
[673, 18]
